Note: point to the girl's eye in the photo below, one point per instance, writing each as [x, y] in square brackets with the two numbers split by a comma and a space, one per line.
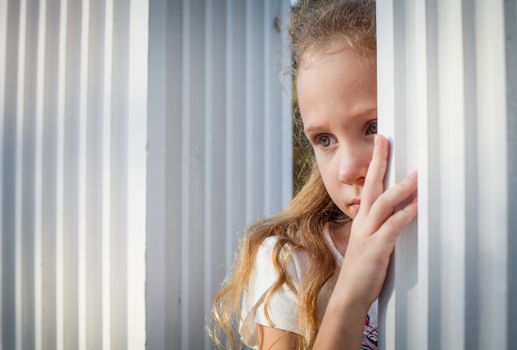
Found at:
[325, 140]
[371, 128]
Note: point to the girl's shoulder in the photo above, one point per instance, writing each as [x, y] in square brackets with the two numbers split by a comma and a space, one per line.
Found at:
[296, 259]
[283, 303]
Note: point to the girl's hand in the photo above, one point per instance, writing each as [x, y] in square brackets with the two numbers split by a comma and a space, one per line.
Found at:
[374, 231]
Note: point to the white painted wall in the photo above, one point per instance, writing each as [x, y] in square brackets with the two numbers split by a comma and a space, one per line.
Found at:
[447, 99]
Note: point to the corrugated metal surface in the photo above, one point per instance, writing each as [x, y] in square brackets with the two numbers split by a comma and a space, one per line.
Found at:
[447, 97]
[124, 184]
[219, 154]
[73, 137]
[106, 158]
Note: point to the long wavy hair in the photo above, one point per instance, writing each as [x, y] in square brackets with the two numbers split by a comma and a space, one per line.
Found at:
[301, 225]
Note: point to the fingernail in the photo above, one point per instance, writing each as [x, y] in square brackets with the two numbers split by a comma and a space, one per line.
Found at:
[414, 174]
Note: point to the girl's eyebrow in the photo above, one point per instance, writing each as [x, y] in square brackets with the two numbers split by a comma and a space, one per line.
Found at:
[365, 113]
[311, 129]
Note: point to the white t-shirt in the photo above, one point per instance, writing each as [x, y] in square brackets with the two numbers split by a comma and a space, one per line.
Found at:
[283, 303]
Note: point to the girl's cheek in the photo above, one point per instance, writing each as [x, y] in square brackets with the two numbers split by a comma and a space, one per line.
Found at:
[322, 165]
[329, 170]
[319, 163]
[324, 162]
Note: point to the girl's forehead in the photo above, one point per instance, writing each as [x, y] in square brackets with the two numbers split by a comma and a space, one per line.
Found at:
[338, 72]
[330, 48]
[336, 84]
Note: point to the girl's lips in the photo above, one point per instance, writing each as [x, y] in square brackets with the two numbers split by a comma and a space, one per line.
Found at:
[355, 205]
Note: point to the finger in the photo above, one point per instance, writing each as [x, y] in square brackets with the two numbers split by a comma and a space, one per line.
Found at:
[386, 203]
[390, 230]
[374, 182]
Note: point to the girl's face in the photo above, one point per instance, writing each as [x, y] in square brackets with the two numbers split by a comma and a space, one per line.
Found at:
[337, 96]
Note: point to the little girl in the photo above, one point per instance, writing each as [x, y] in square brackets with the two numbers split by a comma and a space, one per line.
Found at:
[309, 276]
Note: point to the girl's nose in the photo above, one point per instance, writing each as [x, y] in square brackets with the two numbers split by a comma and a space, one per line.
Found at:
[353, 165]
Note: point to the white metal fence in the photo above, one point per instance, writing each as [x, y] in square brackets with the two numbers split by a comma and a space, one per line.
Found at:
[447, 91]
[73, 146]
[137, 139]
[220, 154]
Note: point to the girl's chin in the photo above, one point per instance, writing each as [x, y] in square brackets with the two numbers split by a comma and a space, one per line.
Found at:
[351, 210]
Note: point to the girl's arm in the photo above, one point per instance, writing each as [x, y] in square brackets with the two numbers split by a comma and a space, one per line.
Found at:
[336, 331]
[342, 328]
[277, 339]
[373, 235]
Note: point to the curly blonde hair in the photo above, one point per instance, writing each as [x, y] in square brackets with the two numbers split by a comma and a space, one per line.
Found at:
[301, 225]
